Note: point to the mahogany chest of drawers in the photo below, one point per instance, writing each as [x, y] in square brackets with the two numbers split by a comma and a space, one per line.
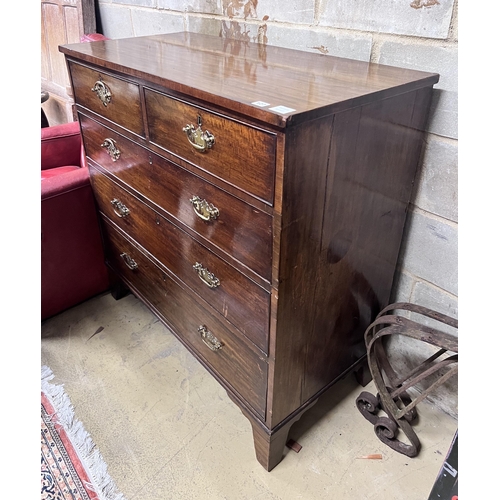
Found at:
[254, 198]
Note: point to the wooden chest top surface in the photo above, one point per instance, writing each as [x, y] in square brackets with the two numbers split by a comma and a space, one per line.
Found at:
[276, 85]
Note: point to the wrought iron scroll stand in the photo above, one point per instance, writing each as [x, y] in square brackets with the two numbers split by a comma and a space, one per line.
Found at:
[392, 396]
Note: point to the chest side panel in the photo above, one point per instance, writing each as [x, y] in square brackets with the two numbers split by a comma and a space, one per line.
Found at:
[339, 255]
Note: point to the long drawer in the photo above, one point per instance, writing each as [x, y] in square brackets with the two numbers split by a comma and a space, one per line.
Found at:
[232, 359]
[113, 98]
[240, 300]
[238, 153]
[238, 229]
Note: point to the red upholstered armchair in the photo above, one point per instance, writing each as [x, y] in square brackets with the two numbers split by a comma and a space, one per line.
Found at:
[72, 257]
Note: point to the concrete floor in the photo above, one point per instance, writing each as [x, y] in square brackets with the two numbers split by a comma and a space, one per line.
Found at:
[167, 429]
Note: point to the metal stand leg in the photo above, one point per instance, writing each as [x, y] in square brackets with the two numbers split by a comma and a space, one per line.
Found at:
[392, 397]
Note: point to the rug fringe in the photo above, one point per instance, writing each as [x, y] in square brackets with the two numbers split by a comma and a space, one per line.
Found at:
[88, 453]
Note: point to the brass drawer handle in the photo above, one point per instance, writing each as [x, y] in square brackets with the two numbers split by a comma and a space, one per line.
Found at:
[111, 148]
[206, 276]
[199, 139]
[203, 209]
[131, 263]
[119, 208]
[213, 343]
[102, 91]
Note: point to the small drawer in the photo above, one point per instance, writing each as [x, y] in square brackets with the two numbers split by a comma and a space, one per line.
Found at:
[232, 360]
[238, 229]
[113, 98]
[241, 301]
[241, 155]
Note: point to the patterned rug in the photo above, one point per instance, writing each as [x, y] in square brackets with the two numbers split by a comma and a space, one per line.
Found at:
[71, 465]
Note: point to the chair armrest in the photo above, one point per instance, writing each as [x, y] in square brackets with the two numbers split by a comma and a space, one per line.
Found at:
[64, 183]
[61, 145]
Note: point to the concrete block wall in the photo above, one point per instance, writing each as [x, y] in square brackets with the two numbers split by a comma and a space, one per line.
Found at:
[417, 34]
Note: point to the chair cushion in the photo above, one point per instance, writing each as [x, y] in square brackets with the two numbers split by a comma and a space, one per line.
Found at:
[52, 172]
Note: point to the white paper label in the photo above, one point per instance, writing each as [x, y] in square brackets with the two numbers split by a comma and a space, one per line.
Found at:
[261, 104]
[282, 109]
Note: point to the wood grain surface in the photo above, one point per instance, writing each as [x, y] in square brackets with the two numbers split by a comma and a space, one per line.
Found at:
[237, 363]
[234, 75]
[237, 298]
[241, 231]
